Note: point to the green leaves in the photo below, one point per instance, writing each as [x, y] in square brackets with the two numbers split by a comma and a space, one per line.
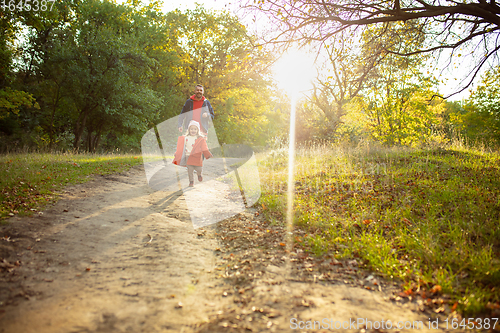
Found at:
[217, 51]
[478, 118]
[11, 100]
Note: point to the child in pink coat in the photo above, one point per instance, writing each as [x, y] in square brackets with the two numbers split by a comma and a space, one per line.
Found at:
[190, 149]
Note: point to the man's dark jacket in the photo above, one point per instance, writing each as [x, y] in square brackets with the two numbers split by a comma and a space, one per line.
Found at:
[187, 115]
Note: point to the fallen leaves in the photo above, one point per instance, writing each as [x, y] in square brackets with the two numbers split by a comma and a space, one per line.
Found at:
[436, 289]
[306, 304]
[4, 264]
[7, 239]
[254, 250]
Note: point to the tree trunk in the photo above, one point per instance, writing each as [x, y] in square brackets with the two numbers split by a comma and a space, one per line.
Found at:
[97, 139]
[55, 103]
[79, 128]
[89, 140]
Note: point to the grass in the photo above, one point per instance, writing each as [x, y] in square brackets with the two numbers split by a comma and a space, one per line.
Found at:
[30, 181]
[427, 217]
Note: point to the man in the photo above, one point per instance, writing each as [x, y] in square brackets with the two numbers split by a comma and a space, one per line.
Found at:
[201, 110]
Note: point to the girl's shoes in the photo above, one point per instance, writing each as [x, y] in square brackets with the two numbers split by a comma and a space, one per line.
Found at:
[200, 178]
[191, 184]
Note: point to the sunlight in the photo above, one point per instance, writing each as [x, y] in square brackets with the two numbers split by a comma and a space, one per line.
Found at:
[294, 72]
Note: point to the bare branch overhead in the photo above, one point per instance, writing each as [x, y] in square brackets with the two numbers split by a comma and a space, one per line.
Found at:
[466, 28]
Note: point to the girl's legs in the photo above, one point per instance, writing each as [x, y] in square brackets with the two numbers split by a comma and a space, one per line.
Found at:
[199, 169]
[190, 169]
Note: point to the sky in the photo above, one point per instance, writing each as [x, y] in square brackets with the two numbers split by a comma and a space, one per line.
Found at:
[170, 5]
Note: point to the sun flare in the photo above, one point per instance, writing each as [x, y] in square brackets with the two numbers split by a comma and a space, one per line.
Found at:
[294, 71]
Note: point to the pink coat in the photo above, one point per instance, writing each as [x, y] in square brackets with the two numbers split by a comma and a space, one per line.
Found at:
[200, 147]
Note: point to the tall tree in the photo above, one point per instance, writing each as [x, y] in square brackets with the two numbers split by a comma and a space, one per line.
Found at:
[346, 72]
[107, 70]
[479, 117]
[219, 53]
[399, 93]
[99, 70]
[12, 99]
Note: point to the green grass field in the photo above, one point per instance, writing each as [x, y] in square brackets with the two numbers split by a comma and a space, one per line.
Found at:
[427, 217]
[30, 181]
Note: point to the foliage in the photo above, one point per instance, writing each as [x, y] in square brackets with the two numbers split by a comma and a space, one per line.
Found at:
[220, 54]
[366, 92]
[347, 72]
[104, 71]
[102, 74]
[12, 100]
[399, 95]
[478, 118]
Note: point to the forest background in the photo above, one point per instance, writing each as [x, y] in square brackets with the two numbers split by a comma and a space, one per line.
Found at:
[96, 75]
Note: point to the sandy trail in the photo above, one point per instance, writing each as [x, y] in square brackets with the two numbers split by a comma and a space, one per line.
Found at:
[113, 255]
[94, 268]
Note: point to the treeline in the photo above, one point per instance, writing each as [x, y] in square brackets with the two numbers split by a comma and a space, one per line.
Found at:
[94, 75]
[368, 91]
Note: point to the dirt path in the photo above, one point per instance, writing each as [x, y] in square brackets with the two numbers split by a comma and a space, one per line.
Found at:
[113, 255]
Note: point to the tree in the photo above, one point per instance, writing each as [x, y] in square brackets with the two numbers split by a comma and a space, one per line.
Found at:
[218, 52]
[103, 73]
[106, 70]
[349, 68]
[367, 69]
[12, 100]
[463, 28]
[479, 119]
[397, 95]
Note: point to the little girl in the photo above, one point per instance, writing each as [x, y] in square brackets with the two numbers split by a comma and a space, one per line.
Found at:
[190, 149]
